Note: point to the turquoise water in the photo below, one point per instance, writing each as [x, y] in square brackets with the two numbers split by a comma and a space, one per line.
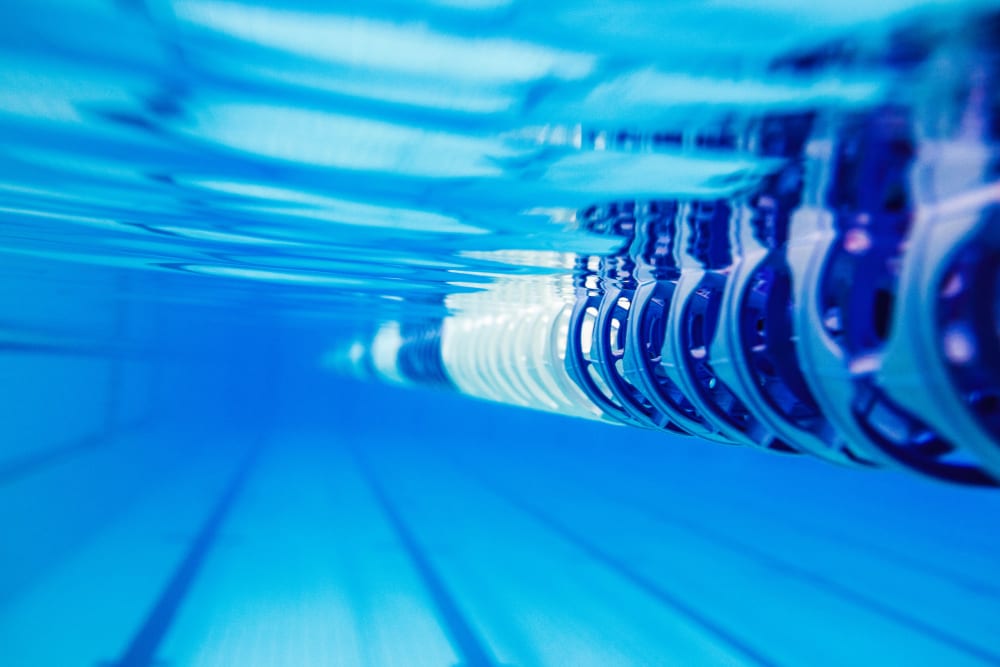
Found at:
[275, 146]
[203, 203]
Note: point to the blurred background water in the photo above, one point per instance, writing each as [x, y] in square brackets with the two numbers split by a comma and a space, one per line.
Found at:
[199, 199]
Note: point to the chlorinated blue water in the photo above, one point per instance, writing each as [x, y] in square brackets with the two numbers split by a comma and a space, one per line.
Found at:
[207, 206]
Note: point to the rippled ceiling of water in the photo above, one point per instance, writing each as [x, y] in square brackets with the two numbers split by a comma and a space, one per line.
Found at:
[386, 152]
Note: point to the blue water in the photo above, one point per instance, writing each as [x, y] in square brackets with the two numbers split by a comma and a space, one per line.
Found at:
[200, 199]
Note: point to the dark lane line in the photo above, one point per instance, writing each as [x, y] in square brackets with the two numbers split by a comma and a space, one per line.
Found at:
[469, 647]
[787, 569]
[896, 558]
[816, 579]
[21, 467]
[622, 568]
[24, 466]
[56, 349]
[141, 650]
[821, 531]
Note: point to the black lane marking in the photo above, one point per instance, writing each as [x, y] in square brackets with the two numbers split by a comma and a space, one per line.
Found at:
[141, 650]
[472, 652]
[29, 464]
[116, 370]
[624, 570]
[790, 570]
[889, 555]
[24, 466]
[839, 537]
[60, 349]
[816, 579]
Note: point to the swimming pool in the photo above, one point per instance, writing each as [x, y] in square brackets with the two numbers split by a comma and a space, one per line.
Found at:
[257, 257]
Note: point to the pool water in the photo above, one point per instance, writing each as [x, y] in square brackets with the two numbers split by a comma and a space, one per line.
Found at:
[204, 204]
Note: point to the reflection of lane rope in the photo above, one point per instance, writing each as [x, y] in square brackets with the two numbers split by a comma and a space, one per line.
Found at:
[847, 307]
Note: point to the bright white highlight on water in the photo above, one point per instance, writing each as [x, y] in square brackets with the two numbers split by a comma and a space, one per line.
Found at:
[312, 137]
[299, 204]
[374, 45]
[652, 88]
